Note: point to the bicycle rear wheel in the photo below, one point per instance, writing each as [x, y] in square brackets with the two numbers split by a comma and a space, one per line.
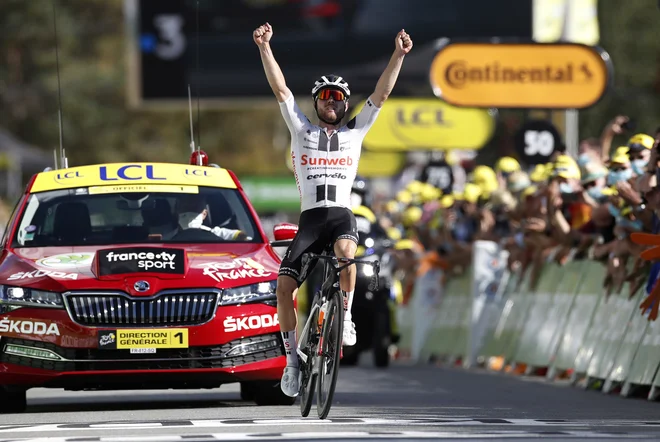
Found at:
[308, 382]
[331, 340]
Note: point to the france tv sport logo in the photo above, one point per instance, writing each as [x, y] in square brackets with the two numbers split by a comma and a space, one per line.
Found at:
[141, 260]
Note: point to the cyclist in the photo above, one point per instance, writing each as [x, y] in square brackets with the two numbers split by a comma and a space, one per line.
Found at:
[325, 159]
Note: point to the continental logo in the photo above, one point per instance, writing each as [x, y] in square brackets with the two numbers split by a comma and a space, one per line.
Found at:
[460, 74]
[521, 75]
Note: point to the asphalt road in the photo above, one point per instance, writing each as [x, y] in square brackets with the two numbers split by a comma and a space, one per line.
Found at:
[402, 402]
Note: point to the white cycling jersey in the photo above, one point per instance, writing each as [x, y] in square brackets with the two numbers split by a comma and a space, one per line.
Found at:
[325, 165]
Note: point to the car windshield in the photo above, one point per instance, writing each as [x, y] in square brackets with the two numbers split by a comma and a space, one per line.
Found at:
[74, 217]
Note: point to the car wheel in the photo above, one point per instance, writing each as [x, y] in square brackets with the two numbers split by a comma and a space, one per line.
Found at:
[266, 393]
[12, 401]
[247, 394]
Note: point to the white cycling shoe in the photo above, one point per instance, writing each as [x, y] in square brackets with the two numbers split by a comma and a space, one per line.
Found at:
[290, 383]
[349, 337]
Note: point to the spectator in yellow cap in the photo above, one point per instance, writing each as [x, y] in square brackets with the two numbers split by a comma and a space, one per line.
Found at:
[619, 166]
[567, 174]
[541, 173]
[564, 206]
[504, 167]
[485, 178]
[639, 152]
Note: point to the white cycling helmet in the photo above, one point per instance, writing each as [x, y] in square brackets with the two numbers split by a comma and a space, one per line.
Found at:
[331, 81]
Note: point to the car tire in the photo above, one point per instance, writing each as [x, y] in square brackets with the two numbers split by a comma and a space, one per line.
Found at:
[247, 393]
[12, 400]
[265, 393]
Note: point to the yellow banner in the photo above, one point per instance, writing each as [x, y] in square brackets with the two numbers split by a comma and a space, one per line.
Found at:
[152, 338]
[133, 174]
[380, 164]
[169, 188]
[427, 124]
[521, 75]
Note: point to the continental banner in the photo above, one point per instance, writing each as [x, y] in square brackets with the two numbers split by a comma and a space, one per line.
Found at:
[521, 75]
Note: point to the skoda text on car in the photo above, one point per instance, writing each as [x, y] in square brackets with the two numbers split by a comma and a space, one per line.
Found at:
[138, 275]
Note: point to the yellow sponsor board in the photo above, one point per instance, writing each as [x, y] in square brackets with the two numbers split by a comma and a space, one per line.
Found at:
[153, 338]
[133, 174]
[521, 75]
[427, 124]
[169, 188]
[380, 164]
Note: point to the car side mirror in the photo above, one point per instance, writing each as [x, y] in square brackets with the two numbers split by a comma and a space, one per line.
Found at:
[284, 234]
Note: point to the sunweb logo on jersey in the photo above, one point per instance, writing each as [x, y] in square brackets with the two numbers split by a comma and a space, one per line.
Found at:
[141, 260]
[314, 161]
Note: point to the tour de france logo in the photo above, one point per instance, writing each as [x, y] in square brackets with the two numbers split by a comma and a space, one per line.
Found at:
[66, 260]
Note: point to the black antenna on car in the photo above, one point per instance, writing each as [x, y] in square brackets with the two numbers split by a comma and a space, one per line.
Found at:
[199, 136]
[64, 162]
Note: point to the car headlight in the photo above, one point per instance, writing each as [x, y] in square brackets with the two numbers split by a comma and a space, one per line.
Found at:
[260, 292]
[27, 297]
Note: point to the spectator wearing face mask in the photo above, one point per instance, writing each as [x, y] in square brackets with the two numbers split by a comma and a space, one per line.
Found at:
[639, 152]
[622, 178]
[569, 212]
[594, 180]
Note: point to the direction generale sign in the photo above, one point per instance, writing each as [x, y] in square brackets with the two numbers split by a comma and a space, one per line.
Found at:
[521, 75]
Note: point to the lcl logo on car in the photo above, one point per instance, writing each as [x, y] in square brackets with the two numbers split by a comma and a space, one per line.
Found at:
[141, 260]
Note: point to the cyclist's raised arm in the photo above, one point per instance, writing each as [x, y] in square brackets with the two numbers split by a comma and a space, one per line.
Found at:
[402, 45]
[262, 36]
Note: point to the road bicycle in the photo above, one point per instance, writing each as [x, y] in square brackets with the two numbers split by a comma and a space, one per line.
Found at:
[319, 346]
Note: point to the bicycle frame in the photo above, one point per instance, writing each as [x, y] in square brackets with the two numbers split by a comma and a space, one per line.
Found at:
[331, 272]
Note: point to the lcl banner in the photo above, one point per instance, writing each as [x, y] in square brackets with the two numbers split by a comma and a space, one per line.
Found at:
[427, 124]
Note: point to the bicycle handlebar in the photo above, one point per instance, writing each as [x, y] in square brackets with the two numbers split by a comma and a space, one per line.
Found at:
[308, 257]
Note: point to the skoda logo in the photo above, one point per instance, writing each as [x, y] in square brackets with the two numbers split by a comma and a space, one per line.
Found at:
[141, 286]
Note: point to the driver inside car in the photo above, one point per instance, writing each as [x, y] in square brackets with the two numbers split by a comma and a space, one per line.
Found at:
[192, 211]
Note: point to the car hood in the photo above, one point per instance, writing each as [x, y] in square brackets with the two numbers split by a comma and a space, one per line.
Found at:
[127, 267]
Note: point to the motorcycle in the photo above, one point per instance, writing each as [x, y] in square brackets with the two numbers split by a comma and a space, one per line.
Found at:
[372, 309]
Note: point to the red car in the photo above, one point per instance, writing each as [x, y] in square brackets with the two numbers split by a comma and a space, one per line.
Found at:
[138, 275]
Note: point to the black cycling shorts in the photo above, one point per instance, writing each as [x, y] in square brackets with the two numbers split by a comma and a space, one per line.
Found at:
[317, 229]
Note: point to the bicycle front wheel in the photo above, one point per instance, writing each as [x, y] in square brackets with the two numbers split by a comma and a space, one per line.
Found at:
[309, 348]
[331, 340]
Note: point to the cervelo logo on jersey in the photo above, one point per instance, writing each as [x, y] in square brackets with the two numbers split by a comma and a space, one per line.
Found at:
[232, 324]
[338, 176]
[313, 161]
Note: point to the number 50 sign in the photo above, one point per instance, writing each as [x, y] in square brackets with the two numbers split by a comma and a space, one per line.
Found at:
[536, 141]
